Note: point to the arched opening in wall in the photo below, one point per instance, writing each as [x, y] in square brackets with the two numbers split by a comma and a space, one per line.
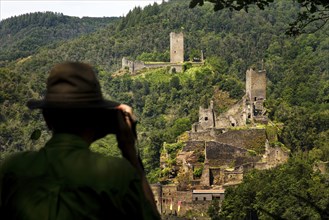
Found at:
[204, 198]
[249, 116]
[206, 118]
[233, 124]
[255, 98]
[196, 198]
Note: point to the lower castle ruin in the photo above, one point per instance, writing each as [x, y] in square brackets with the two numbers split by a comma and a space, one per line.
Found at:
[219, 151]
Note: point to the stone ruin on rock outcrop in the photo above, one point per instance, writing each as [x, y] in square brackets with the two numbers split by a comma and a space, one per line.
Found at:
[232, 141]
[223, 147]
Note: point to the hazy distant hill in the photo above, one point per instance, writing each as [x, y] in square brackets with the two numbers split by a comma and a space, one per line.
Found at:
[23, 35]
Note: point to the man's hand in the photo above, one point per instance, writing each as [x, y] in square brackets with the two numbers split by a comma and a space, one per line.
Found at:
[128, 113]
[126, 136]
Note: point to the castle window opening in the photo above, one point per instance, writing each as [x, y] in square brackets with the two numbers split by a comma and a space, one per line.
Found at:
[233, 124]
[164, 201]
[204, 198]
[206, 118]
[255, 98]
[196, 198]
[175, 51]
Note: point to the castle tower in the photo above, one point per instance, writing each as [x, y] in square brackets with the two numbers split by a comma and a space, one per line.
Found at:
[176, 47]
[207, 117]
[256, 94]
[255, 84]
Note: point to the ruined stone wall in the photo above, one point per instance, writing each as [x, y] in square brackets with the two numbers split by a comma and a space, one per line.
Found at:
[132, 65]
[184, 199]
[199, 206]
[156, 65]
[138, 65]
[176, 68]
[201, 136]
[260, 166]
[274, 156]
[176, 47]
[171, 199]
[255, 84]
[253, 139]
[220, 154]
[235, 116]
[205, 177]
[169, 195]
[157, 192]
[194, 145]
[233, 177]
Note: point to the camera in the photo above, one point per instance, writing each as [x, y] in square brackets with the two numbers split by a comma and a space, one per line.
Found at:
[68, 120]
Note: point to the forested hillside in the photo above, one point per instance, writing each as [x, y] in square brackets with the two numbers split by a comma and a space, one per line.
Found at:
[24, 35]
[167, 103]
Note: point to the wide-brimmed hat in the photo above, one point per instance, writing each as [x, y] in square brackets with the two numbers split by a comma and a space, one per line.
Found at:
[72, 85]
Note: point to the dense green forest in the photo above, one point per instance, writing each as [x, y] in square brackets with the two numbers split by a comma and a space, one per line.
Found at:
[167, 103]
[24, 35]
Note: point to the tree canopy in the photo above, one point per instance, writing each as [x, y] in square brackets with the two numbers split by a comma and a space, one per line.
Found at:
[313, 15]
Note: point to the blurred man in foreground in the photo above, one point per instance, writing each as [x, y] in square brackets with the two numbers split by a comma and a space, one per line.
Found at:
[65, 180]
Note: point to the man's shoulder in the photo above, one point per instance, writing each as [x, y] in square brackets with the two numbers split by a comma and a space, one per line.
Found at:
[111, 164]
[107, 170]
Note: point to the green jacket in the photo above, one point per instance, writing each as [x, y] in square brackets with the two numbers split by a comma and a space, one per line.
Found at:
[65, 180]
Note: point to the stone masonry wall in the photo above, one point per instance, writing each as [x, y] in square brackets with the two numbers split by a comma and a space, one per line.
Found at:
[194, 146]
[235, 116]
[207, 117]
[221, 154]
[201, 136]
[252, 139]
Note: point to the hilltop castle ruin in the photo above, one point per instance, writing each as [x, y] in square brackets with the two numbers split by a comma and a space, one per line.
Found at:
[176, 57]
[223, 148]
